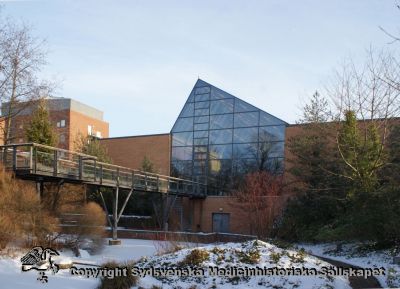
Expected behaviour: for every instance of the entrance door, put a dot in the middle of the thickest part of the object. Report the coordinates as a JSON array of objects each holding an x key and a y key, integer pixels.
[{"x": 221, "y": 222}]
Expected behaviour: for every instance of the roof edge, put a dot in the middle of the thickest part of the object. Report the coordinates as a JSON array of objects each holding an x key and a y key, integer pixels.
[{"x": 134, "y": 136}]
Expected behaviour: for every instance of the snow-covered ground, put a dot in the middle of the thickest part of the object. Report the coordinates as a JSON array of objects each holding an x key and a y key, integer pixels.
[
  {"x": 248, "y": 254},
  {"x": 351, "y": 255},
  {"x": 11, "y": 275}
]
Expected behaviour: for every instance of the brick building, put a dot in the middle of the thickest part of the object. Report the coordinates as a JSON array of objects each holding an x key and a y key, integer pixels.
[
  {"x": 69, "y": 118},
  {"x": 216, "y": 139}
]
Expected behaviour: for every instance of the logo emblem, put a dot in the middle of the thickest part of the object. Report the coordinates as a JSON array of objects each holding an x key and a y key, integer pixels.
[{"x": 40, "y": 259}]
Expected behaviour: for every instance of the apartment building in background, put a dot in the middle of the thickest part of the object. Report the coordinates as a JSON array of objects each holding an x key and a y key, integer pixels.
[{"x": 70, "y": 118}]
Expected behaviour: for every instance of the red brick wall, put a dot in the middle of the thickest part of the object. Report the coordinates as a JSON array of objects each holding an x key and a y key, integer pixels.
[
  {"x": 130, "y": 151},
  {"x": 78, "y": 123},
  {"x": 74, "y": 123},
  {"x": 203, "y": 210}
]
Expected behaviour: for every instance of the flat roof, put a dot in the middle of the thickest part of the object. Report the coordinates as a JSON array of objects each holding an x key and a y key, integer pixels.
[{"x": 134, "y": 136}]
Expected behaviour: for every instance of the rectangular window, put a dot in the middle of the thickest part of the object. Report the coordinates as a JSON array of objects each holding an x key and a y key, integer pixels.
[
  {"x": 182, "y": 138},
  {"x": 202, "y": 104},
  {"x": 246, "y": 119},
  {"x": 202, "y": 97},
  {"x": 61, "y": 123},
  {"x": 201, "y": 111},
  {"x": 221, "y": 121},
  {"x": 222, "y": 136},
  {"x": 245, "y": 135},
  {"x": 201, "y": 141},
  {"x": 181, "y": 153},
  {"x": 201, "y": 126},
  {"x": 220, "y": 151},
  {"x": 272, "y": 133}
]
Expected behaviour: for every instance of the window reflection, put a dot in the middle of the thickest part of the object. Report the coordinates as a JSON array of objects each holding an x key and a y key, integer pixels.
[
  {"x": 182, "y": 153},
  {"x": 246, "y": 119},
  {"x": 182, "y": 138},
  {"x": 221, "y": 136},
  {"x": 245, "y": 135},
  {"x": 183, "y": 124},
  {"x": 272, "y": 133},
  {"x": 221, "y": 106},
  {"x": 218, "y": 139},
  {"x": 220, "y": 121},
  {"x": 221, "y": 151}
]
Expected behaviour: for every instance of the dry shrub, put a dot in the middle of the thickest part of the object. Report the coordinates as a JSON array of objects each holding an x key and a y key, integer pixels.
[
  {"x": 196, "y": 257},
  {"x": 21, "y": 214},
  {"x": 175, "y": 242},
  {"x": 118, "y": 282},
  {"x": 90, "y": 228},
  {"x": 65, "y": 198},
  {"x": 167, "y": 246}
]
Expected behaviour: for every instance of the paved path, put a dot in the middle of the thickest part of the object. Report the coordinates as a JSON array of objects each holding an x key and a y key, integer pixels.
[{"x": 355, "y": 282}]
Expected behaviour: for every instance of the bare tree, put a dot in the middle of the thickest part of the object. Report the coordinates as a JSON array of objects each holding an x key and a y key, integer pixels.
[
  {"x": 21, "y": 59},
  {"x": 370, "y": 92},
  {"x": 394, "y": 38},
  {"x": 259, "y": 196}
]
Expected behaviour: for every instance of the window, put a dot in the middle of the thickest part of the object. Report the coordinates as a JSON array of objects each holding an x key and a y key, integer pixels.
[
  {"x": 221, "y": 106},
  {"x": 221, "y": 151},
  {"x": 245, "y": 135},
  {"x": 221, "y": 136},
  {"x": 182, "y": 138},
  {"x": 61, "y": 123},
  {"x": 221, "y": 121},
  {"x": 183, "y": 124},
  {"x": 89, "y": 130},
  {"x": 272, "y": 133},
  {"x": 181, "y": 153},
  {"x": 62, "y": 138},
  {"x": 246, "y": 119},
  {"x": 218, "y": 138}
]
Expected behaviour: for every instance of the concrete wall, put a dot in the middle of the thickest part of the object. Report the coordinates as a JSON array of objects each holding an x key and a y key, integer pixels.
[{"x": 130, "y": 151}]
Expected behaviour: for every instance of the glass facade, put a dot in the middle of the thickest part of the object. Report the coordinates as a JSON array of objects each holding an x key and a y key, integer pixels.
[{"x": 218, "y": 138}]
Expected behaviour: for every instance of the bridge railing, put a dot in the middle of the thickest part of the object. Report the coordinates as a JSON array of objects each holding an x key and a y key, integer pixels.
[{"x": 49, "y": 161}]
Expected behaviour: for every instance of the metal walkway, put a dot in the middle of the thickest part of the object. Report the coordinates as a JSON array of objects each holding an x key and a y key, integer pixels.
[
  {"x": 42, "y": 164},
  {"x": 34, "y": 161}
]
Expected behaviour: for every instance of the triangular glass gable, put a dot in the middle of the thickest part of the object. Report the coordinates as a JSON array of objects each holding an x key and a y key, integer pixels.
[{"x": 216, "y": 131}]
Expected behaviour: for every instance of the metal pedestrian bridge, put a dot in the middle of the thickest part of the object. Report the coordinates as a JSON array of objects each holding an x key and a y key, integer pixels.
[
  {"x": 35, "y": 161},
  {"x": 44, "y": 164}
]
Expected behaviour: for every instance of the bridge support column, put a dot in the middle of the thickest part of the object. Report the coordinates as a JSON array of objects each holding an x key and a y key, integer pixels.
[
  {"x": 115, "y": 240},
  {"x": 40, "y": 189},
  {"x": 168, "y": 204},
  {"x": 117, "y": 215}
]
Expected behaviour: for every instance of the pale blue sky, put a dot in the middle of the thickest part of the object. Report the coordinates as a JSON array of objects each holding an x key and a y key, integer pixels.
[{"x": 138, "y": 60}]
